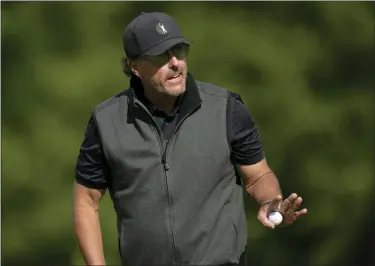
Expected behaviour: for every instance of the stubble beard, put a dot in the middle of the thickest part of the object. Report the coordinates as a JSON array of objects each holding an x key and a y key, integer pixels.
[{"x": 177, "y": 89}]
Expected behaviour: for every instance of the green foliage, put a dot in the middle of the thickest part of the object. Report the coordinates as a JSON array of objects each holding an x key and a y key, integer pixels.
[{"x": 303, "y": 70}]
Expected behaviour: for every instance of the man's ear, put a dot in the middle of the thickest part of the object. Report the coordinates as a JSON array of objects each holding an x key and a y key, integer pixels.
[
  {"x": 126, "y": 67},
  {"x": 133, "y": 65}
]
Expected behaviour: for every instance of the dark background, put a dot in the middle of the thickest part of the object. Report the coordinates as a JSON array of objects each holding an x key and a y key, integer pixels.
[{"x": 303, "y": 70}]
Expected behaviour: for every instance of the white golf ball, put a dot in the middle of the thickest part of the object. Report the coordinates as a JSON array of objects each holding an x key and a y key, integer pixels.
[{"x": 275, "y": 217}]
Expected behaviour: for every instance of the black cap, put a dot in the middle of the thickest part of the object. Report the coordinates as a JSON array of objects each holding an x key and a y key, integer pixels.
[{"x": 151, "y": 34}]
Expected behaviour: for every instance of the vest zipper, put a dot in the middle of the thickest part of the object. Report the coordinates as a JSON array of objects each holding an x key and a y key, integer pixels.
[
  {"x": 163, "y": 147},
  {"x": 169, "y": 195},
  {"x": 166, "y": 168}
]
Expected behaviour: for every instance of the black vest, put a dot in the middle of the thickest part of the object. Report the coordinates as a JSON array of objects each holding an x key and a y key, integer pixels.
[{"x": 177, "y": 203}]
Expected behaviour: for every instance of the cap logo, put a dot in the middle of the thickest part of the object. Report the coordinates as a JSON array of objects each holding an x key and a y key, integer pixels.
[{"x": 161, "y": 29}]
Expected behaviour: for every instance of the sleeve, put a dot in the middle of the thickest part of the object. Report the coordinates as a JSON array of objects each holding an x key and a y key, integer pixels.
[
  {"x": 244, "y": 139},
  {"x": 92, "y": 170}
]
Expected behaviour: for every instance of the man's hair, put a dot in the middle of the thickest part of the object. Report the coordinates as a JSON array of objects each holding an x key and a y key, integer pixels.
[{"x": 126, "y": 67}]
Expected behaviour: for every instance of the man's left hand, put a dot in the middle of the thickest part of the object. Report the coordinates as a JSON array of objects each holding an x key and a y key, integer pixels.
[{"x": 288, "y": 209}]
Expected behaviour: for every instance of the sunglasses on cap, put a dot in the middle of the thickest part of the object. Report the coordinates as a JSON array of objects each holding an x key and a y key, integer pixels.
[{"x": 180, "y": 51}]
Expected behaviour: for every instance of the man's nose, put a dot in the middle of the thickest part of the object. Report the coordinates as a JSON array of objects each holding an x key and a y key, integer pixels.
[{"x": 173, "y": 61}]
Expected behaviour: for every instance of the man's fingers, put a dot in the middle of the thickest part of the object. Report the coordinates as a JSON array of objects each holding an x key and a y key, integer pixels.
[
  {"x": 275, "y": 204},
  {"x": 301, "y": 212},
  {"x": 289, "y": 202},
  {"x": 297, "y": 203},
  {"x": 262, "y": 217}
]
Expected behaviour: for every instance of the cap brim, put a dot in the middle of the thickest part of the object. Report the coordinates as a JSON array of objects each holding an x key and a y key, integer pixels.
[{"x": 164, "y": 46}]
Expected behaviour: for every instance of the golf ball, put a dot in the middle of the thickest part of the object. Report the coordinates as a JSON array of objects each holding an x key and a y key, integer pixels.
[{"x": 275, "y": 217}]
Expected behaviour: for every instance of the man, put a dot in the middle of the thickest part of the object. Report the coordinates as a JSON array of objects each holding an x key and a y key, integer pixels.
[{"x": 169, "y": 149}]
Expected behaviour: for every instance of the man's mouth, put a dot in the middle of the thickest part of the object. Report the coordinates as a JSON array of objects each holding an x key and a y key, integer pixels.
[{"x": 175, "y": 76}]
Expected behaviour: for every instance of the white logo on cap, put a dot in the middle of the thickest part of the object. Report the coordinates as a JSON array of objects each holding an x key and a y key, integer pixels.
[{"x": 161, "y": 29}]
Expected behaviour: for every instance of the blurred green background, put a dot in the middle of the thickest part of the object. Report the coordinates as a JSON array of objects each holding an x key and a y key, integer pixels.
[{"x": 303, "y": 69}]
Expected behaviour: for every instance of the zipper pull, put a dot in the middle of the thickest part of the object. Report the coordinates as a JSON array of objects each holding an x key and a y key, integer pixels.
[
  {"x": 166, "y": 166},
  {"x": 164, "y": 160}
]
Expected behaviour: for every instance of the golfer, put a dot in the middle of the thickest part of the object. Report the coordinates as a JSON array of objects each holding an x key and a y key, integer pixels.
[{"x": 175, "y": 155}]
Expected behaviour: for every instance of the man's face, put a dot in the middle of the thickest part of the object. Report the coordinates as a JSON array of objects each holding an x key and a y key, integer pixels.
[{"x": 166, "y": 73}]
